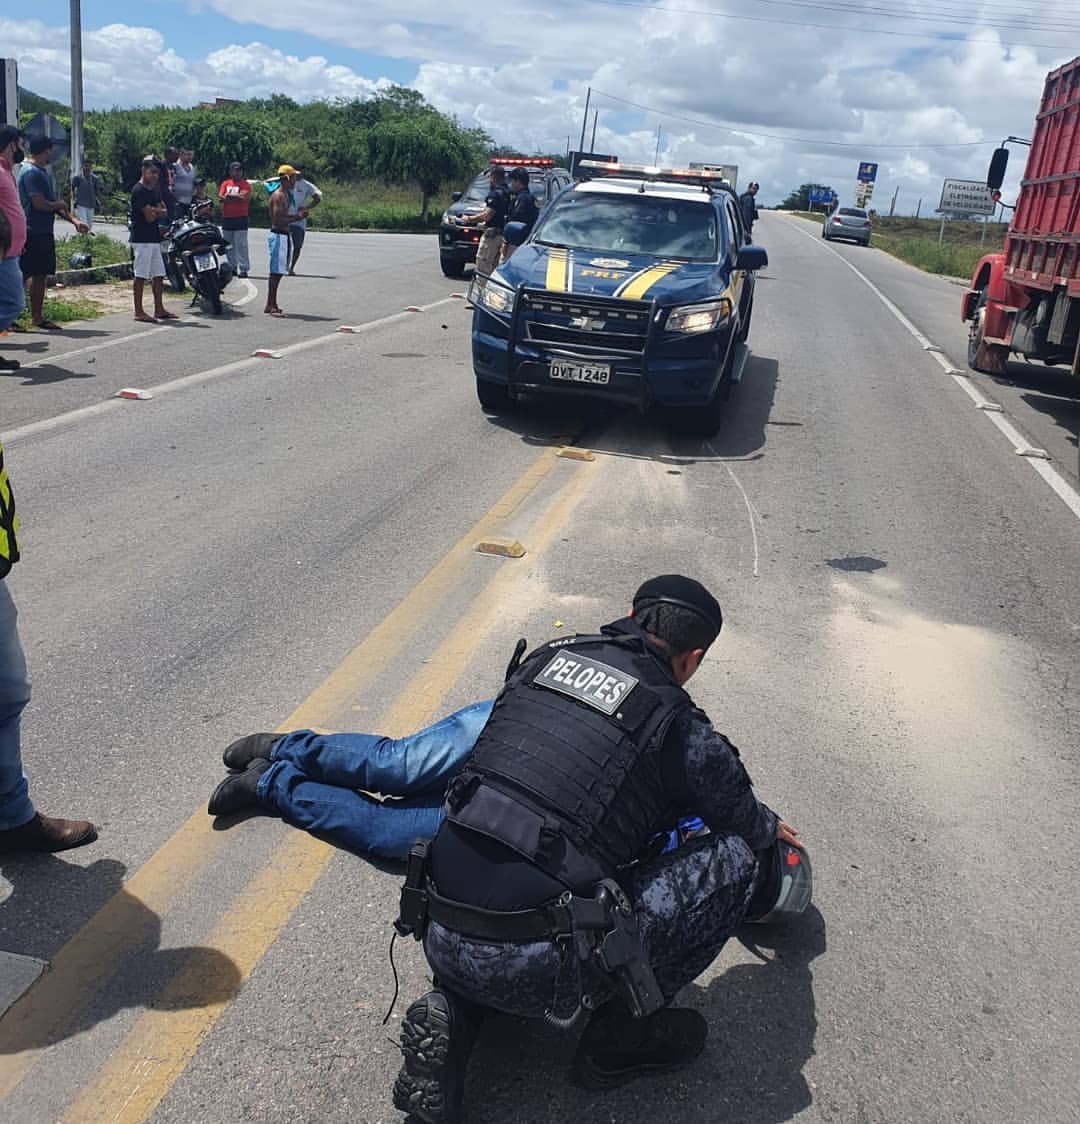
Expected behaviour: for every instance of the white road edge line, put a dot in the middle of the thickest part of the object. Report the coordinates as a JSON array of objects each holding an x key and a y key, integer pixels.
[
  {"x": 248, "y": 297},
  {"x": 1057, "y": 482},
  {"x": 48, "y": 424},
  {"x": 52, "y": 360}
]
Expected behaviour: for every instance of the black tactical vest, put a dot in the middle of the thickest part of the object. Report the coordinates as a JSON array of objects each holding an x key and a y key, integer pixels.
[{"x": 567, "y": 770}]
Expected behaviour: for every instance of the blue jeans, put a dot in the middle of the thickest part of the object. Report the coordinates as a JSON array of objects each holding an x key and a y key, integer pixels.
[
  {"x": 12, "y": 294},
  {"x": 315, "y": 782},
  {"x": 15, "y": 806}
]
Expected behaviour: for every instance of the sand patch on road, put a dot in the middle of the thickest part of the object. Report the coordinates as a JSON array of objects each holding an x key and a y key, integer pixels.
[{"x": 937, "y": 691}]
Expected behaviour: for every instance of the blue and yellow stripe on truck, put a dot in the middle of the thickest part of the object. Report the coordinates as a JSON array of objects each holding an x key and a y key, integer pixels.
[
  {"x": 559, "y": 274},
  {"x": 637, "y": 285}
]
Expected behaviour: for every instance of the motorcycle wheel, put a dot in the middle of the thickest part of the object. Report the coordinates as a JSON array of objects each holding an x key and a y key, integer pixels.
[{"x": 212, "y": 290}]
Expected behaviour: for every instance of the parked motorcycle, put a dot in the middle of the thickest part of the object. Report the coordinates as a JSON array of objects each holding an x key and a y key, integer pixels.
[{"x": 194, "y": 251}]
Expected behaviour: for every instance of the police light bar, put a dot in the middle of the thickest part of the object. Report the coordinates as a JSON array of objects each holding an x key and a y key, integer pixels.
[
  {"x": 530, "y": 161},
  {"x": 699, "y": 177}
]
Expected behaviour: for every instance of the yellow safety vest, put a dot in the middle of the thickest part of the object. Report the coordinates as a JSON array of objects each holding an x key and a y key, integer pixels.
[{"x": 9, "y": 522}]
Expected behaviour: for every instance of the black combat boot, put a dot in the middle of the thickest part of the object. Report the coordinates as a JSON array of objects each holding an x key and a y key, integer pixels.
[
  {"x": 616, "y": 1047},
  {"x": 239, "y": 754},
  {"x": 238, "y": 790},
  {"x": 437, "y": 1036}
]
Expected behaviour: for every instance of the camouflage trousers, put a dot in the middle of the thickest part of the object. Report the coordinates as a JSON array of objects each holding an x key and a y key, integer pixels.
[{"x": 688, "y": 902}]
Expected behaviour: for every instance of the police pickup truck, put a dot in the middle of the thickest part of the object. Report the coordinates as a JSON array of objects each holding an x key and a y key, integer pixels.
[
  {"x": 635, "y": 286},
  {"x": 457, "y": 243}
]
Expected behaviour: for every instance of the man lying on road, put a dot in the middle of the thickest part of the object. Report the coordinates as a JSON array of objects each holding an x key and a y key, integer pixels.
[{"x": 327, "y": 783}]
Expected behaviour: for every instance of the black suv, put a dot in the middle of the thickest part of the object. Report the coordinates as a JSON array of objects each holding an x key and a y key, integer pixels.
[{"x": 457, "y": 244}]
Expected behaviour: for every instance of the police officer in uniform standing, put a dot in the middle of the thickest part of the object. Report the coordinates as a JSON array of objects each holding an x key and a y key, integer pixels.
[
  {"x": 523, "y": 208},
  {"x": 545, "y": 892},
  {"x": 493, "y": 219}
]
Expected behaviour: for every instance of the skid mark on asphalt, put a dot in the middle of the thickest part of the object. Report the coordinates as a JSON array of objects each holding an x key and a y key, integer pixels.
[{"x": 1021, "y": 445}]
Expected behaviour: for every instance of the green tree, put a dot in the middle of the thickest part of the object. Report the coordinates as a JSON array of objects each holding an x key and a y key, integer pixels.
[
  {"x": 799, "y": 199},
  {"x": 218, "y": 136},
  {"x": 119, "y": 141},
  {"x": 427, "y": 149}
]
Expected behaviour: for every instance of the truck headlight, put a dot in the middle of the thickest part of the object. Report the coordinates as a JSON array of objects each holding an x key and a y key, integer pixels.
[
  {"x": 495, "y": 298},
  {"x": 705, "y": 317}
]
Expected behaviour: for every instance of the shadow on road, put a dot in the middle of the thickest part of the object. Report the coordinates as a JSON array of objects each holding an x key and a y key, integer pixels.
[
  {"x": 73, "y": 334},
  {"x": 762, "y": 1025},
  {"x": 47, "y": 374},
  {"x": 624, "y": 432},
  {"x": 117, "y": 962},
  {"x": 1064, "y": 412}
]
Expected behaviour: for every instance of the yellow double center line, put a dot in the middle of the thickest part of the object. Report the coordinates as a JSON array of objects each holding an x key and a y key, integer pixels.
[{"x": 162, "y": 1041}]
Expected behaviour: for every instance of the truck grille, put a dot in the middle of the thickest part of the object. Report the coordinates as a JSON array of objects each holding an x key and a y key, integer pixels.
[{"x": 585, "y": 325}]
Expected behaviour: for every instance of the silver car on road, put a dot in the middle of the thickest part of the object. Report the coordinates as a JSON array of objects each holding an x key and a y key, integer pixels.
[{"x": 847, "y": 222}]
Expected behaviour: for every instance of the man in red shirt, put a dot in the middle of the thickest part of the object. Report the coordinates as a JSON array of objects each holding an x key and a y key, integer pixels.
[
  {"x": 13, "y": 219},
  {"x": 235, "y": 196}
]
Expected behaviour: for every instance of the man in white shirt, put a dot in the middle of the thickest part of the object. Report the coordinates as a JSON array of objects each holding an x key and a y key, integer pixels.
[
  {"x": 183, "y": 176},
  {"x": 303, "y": 196}
]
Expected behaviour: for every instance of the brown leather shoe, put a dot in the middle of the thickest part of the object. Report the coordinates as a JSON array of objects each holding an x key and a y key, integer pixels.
[{"x": 43, "y": 833}]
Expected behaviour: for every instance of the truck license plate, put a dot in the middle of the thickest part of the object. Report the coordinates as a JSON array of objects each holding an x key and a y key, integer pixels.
[
  {"x": 580, "y": 372},
  {"x": 203, "y": 262}
]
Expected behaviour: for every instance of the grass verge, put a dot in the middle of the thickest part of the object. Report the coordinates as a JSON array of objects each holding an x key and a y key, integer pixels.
[
  {"x": 63, "y": 310},
  {"x": 916, "y": 242},
  {"x": 357, "y": 205},
  {"x": 102, "y": 249}
]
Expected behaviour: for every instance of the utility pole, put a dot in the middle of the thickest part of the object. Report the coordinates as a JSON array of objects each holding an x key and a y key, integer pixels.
[
  {"x": 592, "y": 143},
  {"x": 656, "y": 158},
  {"x": 918, "y": 209},
  {"x": 892, "y": 205},
  {"x": 585, "y": 117},
  {"x": 76, "y": 88}
]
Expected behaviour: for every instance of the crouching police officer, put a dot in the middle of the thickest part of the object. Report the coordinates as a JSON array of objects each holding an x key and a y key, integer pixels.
[{"x": 545, "y": 892}]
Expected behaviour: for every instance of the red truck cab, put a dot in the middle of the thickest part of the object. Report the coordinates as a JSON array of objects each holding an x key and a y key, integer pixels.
[{"x": 1026, "y": 299}]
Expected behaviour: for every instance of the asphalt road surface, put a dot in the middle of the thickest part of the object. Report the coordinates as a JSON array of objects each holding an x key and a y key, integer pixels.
[{"x": 282, "y": 542}]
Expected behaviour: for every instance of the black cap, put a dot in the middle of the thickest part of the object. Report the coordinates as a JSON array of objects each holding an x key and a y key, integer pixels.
[
  {"x": 40, "y": 144},
  {"x": 674, "y": 589}
]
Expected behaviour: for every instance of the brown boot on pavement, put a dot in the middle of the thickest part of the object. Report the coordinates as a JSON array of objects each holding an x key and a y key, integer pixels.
[{"x": 43, "y": 833}]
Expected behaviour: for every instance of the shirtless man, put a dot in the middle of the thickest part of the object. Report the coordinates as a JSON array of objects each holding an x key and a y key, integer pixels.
[{"x": 279, "y": 236}]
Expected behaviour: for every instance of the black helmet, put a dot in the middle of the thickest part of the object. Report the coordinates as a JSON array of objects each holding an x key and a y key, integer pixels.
[{"x": 785, "y": 883}]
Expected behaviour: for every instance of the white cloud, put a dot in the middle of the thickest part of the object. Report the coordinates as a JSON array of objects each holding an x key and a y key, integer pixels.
[
  {"x": 523, "y": 78},
  {"x": 125, "y": 66}
]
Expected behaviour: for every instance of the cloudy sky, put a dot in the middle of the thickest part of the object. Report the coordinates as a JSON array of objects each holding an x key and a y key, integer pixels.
[{"x": 792, "y": 91}]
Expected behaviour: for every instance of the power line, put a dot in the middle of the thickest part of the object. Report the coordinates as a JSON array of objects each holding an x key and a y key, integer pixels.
[
  {"x": 778, "y": 136},
  {"x": 943, "y": 14},
  {"x": 821, "y": 26}
]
